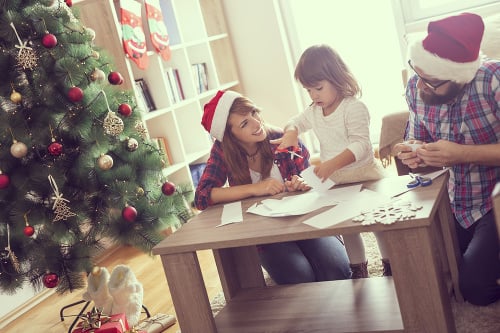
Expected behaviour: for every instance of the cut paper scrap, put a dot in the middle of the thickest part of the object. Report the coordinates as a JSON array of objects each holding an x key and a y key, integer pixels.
[
  {"x": 303, "y": 203},
  {"x": 231, "y": 213},
  {"x": 312, "y": 180},
  {"x": 363, "y": 201}
]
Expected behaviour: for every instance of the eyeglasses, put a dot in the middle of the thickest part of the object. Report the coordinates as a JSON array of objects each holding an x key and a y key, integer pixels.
[{"x": 433, "y": 86}]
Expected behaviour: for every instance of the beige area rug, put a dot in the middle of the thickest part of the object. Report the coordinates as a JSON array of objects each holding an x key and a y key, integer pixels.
[{"x": 468, "y": 318}]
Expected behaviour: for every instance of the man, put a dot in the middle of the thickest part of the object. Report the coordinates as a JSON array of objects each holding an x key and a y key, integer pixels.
[{"x": 454, "y": 102}]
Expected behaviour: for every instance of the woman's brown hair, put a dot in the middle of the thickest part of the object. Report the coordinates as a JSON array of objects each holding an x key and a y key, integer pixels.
[{"x": 234, "y": 153}]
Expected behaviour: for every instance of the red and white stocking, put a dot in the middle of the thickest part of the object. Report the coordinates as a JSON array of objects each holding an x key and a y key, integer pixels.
[
  {"x": 134, "y": 40},
  {"x": 157, "y": 29}
]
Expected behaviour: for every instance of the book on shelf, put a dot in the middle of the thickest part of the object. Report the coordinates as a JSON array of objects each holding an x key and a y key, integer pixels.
[
  {"x": 200, "y": 77},
  {"x": 145, "y": 100},
  {"x": 174, "y": 89},
  {"x": 162, "y": 144}
]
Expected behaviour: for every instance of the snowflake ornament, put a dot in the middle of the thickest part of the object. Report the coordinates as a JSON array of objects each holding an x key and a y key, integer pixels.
[{"x": 389, "y": 213}]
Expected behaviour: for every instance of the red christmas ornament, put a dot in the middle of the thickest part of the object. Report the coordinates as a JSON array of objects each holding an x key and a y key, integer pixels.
[
  {"x": 4, "y": 181},
  {"x": 129, "y": 214},
  {"x": 28, "y": 231},
  {"x": 168, "y": 188},
  {"x": 50, "y": 280},
  {"x": 125, "y": 110},
  {"x": 115, "y": 78},
  {"x": 69, "y": 3},
  {"x": 75, "y": 94},
  {"x": 49, "y": 40},
  {"x": 55, "y": 149}
]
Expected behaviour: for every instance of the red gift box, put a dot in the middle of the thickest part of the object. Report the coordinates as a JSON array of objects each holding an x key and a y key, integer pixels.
[{"x": 115, "y": 324}]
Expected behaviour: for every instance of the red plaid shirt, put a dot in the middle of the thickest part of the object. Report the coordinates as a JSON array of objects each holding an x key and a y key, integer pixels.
[{"x": 216, "y": 173}]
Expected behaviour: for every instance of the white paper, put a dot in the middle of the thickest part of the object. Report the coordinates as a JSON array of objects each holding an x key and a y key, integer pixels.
[
  {"x": 231, "y": 213},
  {"x": 303, "y": 203},
  {"x": 363, "y": 201},
  {"x": 314, "y": 181}
]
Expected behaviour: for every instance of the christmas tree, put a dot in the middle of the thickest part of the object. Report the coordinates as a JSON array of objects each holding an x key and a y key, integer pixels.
[{"x": 77, "y": 170}]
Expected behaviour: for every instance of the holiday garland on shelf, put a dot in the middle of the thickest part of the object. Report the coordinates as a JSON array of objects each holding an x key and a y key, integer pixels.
[{"x": 76, "y": 167}]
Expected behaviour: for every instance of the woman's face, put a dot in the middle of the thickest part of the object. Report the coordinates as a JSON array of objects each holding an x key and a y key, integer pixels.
[{"x": 248, "y": 127}]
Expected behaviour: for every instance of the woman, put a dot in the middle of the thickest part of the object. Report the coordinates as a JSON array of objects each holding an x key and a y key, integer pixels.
[{"x": 243, "y": 157}]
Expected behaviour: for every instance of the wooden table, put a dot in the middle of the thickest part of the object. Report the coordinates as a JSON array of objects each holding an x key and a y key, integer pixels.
[{"x": 423, "y": 255}]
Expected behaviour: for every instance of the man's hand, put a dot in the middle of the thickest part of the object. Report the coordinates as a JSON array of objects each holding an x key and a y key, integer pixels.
[
  {"x": 442, "y": 153},
  {"x": 409, "y": 155}
]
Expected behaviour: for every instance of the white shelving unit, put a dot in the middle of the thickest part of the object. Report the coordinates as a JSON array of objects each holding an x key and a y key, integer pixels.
[{"x": 198, "y": 34}]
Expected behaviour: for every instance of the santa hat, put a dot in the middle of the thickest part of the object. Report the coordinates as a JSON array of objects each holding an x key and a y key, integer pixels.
[
  {"x": 450, "y": 51},
  {"x": 216, "y": 111}
]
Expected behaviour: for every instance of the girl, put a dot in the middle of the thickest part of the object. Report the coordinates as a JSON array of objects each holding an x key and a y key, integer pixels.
[
  {"x": 243, "y": 156},
  {"x": 341, "y": 123}
]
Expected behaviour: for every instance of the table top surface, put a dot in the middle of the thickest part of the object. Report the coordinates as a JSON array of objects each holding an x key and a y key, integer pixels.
[{"x": 201, "y": 233}]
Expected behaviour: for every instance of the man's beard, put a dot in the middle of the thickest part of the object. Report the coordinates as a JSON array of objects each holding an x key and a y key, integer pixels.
[{"x": 433, "y": 99}]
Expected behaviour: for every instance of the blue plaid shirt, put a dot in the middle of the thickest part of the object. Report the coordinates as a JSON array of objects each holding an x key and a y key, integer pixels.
[
  {"x": 216, "y": 172},
  {"x": 472, "y": 118}
]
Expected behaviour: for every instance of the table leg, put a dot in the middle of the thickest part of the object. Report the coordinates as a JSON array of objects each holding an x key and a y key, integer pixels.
[
  {"x": 238, "y": 268},
  {"x": 420, "y": 287},
  {"x": 450, "y": 242},
  {"x": 189, "y": 295}
]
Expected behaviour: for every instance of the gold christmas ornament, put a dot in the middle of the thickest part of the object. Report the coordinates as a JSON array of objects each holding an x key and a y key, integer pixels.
[
  {"x": 95, "y": 54},
  {"x": 105, "y": 162},
  {"x": 139, "y": 127},
  {"x": 16, "y": 97},
  {"x": 140, "y": 191},
  {"x": 97, "y": 75},
  {"x": 18, "y": 149},
  {"x": 113, "y": 125}
]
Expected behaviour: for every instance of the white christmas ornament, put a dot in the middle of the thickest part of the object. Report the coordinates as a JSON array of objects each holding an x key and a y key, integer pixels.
[{"x": 127, "y": 293}]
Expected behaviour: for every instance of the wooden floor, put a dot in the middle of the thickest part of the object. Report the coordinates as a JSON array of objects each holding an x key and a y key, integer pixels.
[{"x": 149, "y": 271}]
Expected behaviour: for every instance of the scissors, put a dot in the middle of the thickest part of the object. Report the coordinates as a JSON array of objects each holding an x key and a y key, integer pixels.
[
  {"x": 293, "y": 151},
  {"x": 418, "y": 181}
]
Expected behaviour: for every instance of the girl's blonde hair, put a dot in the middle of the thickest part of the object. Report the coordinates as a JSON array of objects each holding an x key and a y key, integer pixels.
[
  {"x": 322, "y": 62},
  {"x": 234, "y": 153}
]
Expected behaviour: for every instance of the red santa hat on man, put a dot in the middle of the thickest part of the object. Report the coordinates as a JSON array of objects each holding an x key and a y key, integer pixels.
[
  {"x": 216, "y": 111},
  {"x": 451, "y": 49}
]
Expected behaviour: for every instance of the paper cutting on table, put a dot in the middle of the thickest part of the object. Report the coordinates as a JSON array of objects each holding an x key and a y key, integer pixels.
[{"x": 231, "y": 213}]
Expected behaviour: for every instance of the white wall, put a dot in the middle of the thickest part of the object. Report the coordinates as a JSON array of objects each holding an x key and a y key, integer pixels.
[{"x": 265, "y": 65}]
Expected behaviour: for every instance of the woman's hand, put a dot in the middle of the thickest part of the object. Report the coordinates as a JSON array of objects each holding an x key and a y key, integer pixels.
[
  {"x": 269, "y": 186},
  {"x": 296, "y": 184}
]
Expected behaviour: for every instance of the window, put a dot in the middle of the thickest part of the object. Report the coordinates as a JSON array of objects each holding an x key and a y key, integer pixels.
[
  {"x": 414, "y": 10},
  {"x": 364, "y": 34}
]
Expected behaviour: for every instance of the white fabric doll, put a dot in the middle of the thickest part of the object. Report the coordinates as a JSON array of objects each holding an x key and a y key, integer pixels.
[
  {"x": 97, "y": 290},
  {"x": 127, "y": 293}
]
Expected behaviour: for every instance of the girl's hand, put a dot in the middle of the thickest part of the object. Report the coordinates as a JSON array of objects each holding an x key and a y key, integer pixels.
[
  {"x": 289, "y": 139},
  {"x": 296, "y": 184},
  {"x": 324, "y": 170}
]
